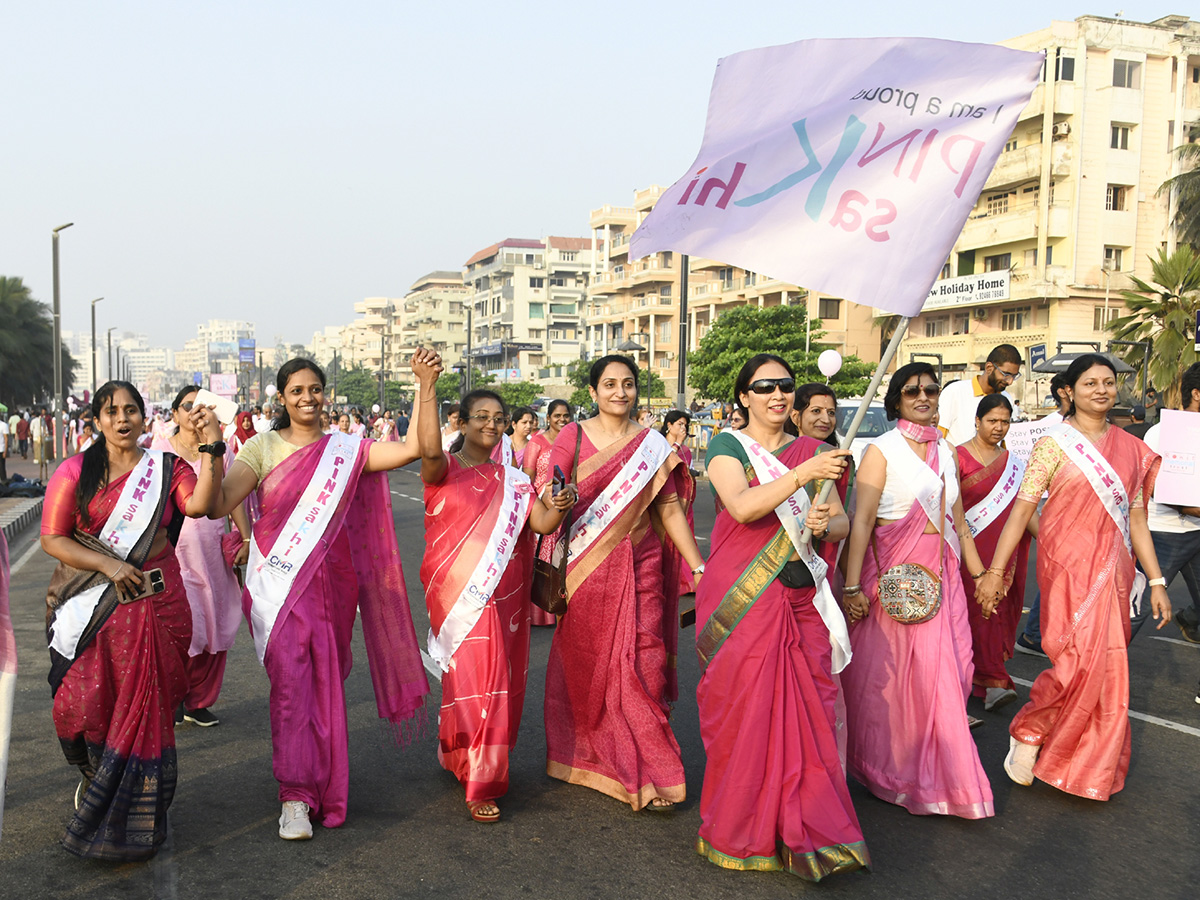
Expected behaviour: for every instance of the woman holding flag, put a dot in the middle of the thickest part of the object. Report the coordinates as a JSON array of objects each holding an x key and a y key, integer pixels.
[
  {"x": 324, "y": 545},
  {"x": 1074, "y": 733},
  {"x": 476, "y": 571},
  {"x": 774, "y": 795},
  {"x": 611, "y": 675},
  {"x": 908, "y": 740},
  {"x": 991, "y": 477},
  {"x": 118, "y": 622}
]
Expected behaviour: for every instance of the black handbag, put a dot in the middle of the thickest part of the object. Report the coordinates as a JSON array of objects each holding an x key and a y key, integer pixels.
[{"x": 549, "y": 590}]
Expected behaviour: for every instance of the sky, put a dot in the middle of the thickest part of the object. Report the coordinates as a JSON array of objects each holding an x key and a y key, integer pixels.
[{"x": 280, "y": 161}]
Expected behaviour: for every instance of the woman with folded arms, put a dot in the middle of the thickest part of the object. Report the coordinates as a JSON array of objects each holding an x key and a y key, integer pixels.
[
  {"x": 1074, "y": 733},
  {"x": 770, "y": 638},
  {"x": 119, "y": 625},
  {"x": 908, "y": 738}
]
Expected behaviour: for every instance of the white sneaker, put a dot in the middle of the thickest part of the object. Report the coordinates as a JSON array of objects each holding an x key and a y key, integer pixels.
[
  {"x": 293, "y": 822},
  {"x": 997, "y": 696},
  {"x": 1019, "y": 762}
]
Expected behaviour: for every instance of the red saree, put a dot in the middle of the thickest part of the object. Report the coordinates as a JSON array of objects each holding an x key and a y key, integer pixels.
[
  {"x": 774, "y": 794},
  {"x": 992, "y": 639},
  {"x": 610, "y": 677},
  {"x": 1078, "y": 710},
  {"x": 483, "y": 691},
  {"x": 537, "y": 454},
  {"x": 114, "y": 710}
]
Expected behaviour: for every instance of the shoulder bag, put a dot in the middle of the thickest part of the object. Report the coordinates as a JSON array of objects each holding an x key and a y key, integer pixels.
[{"x": 550, "y": 577}]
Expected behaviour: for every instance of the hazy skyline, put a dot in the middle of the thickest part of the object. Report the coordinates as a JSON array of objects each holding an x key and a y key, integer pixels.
[{"x": 278, "y": 162}]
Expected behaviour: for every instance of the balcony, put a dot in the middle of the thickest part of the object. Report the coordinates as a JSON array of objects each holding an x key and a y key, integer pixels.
[
  {"x": 612, "y": 215},
  {"x": 1018, "y": 223},
  {"x": 652, "y": 269},
  {"x": 645, "y": 199},
  {"x": 1025, "y": 164},
  {"x": 618, "y": 244}
]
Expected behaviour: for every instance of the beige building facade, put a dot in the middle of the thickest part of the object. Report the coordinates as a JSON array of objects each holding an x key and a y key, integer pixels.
[
  {"x": 1071, "y": 209},
  {"x": 435, "y": 316},
  {"x": 640, "y": 300}
]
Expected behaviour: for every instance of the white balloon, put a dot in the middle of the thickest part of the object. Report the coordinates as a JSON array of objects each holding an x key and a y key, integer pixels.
[
  {"x": 829, "y": 362},
  {"x": 270, "y": 390},
  {"x": 375, "y": 408}
]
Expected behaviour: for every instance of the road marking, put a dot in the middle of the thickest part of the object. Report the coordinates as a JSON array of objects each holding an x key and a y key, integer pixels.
[
  {"x": 1176, "y": 641},
  {"x": 1153, "y": 720},
  {"x": 430, "y": 666},
  {"x": 407, "y": 497},
  {"x": 25, "y": 557}
]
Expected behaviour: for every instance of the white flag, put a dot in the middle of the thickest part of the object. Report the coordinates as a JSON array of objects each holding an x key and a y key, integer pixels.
[{"x": 845, "y": 166}]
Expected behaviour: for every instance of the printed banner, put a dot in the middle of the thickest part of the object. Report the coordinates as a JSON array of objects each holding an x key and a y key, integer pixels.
[
  {"x": 1023, "y": 435},
  {"x": 1179, "y": 444},
  {"x": 846, "y": 166}
]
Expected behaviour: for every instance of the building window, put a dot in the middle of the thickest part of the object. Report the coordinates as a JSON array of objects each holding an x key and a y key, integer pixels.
[
  {"x": 1112, "y": 259},
  {"x": 1031, "y": 256},
  {"x": 751, "y": 277},
  {"x": 1120, "y": 137},
  {"x": 1101, "y": 317},
  {"x": 1001, "y": 262},
  {"x": 1064, "y": 66},
  {"x": 529, "y": 259},
  {"x": 667, "y": 259},
  {"x": 618, "y": 273},
  {"x": 1010, "y": 145},
  {"x": 665, "y": 292},
  {"x": 1015, "y": 318},
  {"x": 937, "y": 326},
  {"x": 537, "y": 310},
  {"x": 567, "y": 255},
  {"x": 664, "y": 332},
  {"x": 726, "y": 278},
  {"x": 558, "y": 281},
  {"x": 829, "y": 308},
  {"x": 537, "y": 282},
  {"x": 962, "y": 322},
  {"x": 1127, "y": 73},
  {"x": 997, "y": 204},
  {"x": 1116, "y": 197},
  {"x": 946, "y": 270}
]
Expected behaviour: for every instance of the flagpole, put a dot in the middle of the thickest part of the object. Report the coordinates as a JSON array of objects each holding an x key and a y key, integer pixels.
[{"x": 852, "y": 431}]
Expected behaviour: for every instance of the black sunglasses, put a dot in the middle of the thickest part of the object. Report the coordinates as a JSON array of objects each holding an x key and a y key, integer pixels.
[
  {"x": 768, "y": 385},
  {"x": 911, "y": 390}
]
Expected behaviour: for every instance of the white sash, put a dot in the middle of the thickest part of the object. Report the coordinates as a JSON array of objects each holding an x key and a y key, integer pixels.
[
  {"x": 503, "y": 453},
  {"x": 516, "y": 501},
  {"x": 1110, "y": 491},
  {"x": 269, "y": 576},
  {"x": 926, "y": 486},
  {"x": 633, "y": 478},
  {"x": 989, "y": 509},
  {"x": 126, "y": 524},
  {"x": 791, "y": 514}
]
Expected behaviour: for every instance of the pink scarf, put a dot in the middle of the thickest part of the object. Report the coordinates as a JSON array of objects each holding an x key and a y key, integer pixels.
[{"x": 922, "y": 434}]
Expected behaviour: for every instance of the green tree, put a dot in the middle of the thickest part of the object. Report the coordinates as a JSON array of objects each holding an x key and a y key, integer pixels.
[
  {"x": 449, "y": 385},
  {"x": 518, "y": 393},
  {"x": 577, "y": 377},
  {"x": 1164, "y": 313},
  {"x": 1186, "y": 188},
  {"x": 26, "y": 346},
  {"x": 744, "y": 331}
]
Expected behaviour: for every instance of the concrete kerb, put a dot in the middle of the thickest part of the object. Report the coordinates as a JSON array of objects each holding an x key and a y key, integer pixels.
[{"x": 17, "y": 514}]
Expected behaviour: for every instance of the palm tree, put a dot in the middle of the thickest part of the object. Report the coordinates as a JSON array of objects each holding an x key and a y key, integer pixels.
[
  {"x": 1186, "y": 187},
  {"x": 26, "y": 342},
  {"x": 1165, "y": 313}
]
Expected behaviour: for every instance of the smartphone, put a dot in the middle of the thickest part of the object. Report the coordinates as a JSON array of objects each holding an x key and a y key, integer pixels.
[
  {"x": 560, "y": 481},
  {"x": 225, "y": 408}
]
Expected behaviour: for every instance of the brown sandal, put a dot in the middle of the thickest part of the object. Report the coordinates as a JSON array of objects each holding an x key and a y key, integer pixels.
[{"x": 476, "y": 809}]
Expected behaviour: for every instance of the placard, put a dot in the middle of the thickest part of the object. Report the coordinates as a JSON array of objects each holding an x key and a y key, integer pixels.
[
  {"x": 1023, "y": 435},
  {"x": 1179, "y": 445}
]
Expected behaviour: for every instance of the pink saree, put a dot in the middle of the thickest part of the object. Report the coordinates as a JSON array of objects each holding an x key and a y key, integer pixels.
[
  {"x": 774, "y": 794},
  {"x": 611, "y": 673},
  {"x": 992, "y": 639},
  {"x": 537, "y": 454},
  {"x": 1078, "y": 710},
  {"x": 483, "y": 693},
  {"x": 906, "y": 689},
  {"x": 355, "y": 564}
]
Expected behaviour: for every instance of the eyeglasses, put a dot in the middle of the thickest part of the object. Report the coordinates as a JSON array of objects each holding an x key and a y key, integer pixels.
[
  {"x": 186, "y": 405},
  {"x": 768, "y": 385},
  {"x": 1007, "y": 377},
  {"x": 911, "y": 390},
  {"x": 483, "y": 418}
]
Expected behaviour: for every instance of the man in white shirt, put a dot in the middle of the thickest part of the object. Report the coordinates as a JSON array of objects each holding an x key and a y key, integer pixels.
[
  {"x": 960, "y": 400},
  {"x": 1176, "y": 531},
  {"x": 3, "y": 450}
]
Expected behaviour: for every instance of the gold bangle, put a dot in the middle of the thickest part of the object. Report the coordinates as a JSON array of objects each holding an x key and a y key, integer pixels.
[{"x": 796, "y": 479}]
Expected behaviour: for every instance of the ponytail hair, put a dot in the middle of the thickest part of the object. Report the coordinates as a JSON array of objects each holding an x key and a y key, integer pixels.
[{"x": 93, "y": 473}]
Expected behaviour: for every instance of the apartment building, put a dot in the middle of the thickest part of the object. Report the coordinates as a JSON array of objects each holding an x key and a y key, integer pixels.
[
  {"x": 1071, "y": 209},
  {"x": 435, "y": 316},
  {"x": 373, "y": 338},
  {"x": 640, "y": 300},
  {"x": 526, "y": 299}
]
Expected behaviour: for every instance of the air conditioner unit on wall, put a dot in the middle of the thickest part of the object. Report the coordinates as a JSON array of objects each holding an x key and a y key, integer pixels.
[
  {"x": 981, "y": 314},
  {"x": 1062, "y": 129}
]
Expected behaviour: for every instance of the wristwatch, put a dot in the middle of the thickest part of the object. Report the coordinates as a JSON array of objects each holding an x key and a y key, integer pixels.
[
  {"x": 1157, "y": 581},
  {"x": 699, "y": 570},
  {"x": 216, "y": 449}
]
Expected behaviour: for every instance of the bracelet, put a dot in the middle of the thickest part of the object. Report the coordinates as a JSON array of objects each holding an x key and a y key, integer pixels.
[
  {"x": 1155, "y": 582},
  {"x": 995, "y": 571},
  {"x": 851, "y": 589},
  {"x": 796, "y": 479},
  {"x": 980, "y": 575},
  {"x": 246, "y": 540},
  {"x": 113, "y": 576}
]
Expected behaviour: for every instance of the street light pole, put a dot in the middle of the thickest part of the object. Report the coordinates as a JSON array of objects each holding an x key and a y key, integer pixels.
[
  {"x": 260, "y": 377},
  {"x": 58, "y": 374},
  {"x": 109, "y": 370},
  {"x": 94, "y": 302},
  {"x": 684, "y": 336}
]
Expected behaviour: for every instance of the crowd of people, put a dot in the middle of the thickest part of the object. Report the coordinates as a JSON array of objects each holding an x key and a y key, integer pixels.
[{"x": 839, "y": 637}]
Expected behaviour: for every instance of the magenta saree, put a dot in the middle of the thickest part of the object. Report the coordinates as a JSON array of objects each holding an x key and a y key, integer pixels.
[
  {"x": 356, "y": 563},
  {"x": 537, "y": 457},
  {"x": 611, "y": 673},
  {"x": 908, "y": 741},
  {"x": 774, "y": 795},
  {"x": 1078, "y": 710},
  {"x": 483, "y": 688}
]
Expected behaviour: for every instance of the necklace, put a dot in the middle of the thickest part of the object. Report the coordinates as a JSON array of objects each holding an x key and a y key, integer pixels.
[
  {"x": 1090, "y": 435},
  {"x": 466, "y": 462},
  {"x": 979, "y": 453},
  {"x": 191, "y": 454}
]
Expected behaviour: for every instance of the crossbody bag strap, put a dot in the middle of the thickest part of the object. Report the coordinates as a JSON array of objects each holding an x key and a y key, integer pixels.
[{"x": 562, "y": 564}]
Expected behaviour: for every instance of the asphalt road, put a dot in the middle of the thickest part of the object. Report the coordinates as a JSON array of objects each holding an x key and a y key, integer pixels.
[{"x": 408, "y": 833}]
